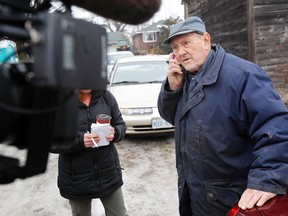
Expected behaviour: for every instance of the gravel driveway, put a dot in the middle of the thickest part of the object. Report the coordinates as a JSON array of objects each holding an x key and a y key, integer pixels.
[{"x": 150, "y": 183}]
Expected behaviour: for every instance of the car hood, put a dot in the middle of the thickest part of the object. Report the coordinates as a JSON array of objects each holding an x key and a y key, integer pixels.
[{"x": 140, "y": 95}]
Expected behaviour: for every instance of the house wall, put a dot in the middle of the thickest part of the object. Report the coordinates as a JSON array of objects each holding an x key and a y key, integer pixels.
[
  {"x": 141, "y": 48},
  {"x": 225, "y": 21},
  {"x": 270, "y": 39},
  {"x": 138, "y": 45},
  {"x": 256, "y": 30}
]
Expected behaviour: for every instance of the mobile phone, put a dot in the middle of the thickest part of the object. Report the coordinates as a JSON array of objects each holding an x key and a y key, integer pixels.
[{"x": 174, "y": 57}]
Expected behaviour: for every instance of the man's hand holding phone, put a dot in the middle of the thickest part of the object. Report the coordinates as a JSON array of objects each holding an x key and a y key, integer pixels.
[{"x": 175, "y": 73}]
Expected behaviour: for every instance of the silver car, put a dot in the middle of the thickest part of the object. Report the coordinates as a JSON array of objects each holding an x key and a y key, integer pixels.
[
  {"x": 135, "y": 82},
  {"x": 114, "y": 56}
]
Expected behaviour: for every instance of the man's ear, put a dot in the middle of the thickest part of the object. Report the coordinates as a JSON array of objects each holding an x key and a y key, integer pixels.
[{"x": 207, "y": 40}]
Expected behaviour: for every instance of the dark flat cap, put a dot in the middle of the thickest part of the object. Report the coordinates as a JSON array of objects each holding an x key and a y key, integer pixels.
[{"x": 191, "y": 24}]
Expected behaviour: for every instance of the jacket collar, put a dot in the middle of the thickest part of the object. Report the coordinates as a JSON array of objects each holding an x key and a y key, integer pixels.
[
  {"x": 212, "y": 73},
  {"x": 96, "y": 94},
  {"x": 209, "y": 77}
]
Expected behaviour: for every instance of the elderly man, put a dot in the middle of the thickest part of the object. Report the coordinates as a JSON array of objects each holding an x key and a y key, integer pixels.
[{"x": 231, "y": 126}]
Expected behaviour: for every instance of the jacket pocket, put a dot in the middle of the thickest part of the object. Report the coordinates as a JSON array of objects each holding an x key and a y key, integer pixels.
[
  {"x": 194, "y": 140},
  {"x": 223, "y": 194},
  {"x": 109, "y": 177}
]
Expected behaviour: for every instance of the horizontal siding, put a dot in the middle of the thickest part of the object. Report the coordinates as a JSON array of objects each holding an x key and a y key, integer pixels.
[
  {"x": 280, "y": 80},
  {"x": 271, "y": 38},
  {"x": 270, "y": 9},
  {"x": 269, "y": 2},
  {"x": 226, "y": 23}
]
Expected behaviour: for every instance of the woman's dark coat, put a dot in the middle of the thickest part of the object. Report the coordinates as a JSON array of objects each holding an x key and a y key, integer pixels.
[{"x": 92, "y": 172}]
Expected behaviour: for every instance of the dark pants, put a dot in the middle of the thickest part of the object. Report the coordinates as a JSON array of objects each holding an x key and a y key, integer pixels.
[{"x": 185, "y": 203}]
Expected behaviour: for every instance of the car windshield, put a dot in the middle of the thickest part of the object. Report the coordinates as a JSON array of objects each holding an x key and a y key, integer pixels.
[
  {"x": 140, "y": 72},
  {"x": 113, "y": 58}
]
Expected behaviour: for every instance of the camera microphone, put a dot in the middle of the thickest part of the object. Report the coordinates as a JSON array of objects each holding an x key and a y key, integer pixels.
[{"x": 127, "y": 11}]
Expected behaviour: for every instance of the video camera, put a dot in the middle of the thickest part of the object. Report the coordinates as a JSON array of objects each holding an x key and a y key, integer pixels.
[{"x": 38, "y": 100}]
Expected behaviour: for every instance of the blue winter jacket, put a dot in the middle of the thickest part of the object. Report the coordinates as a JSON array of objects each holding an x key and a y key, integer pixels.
[{"x": 232, "y": 133}]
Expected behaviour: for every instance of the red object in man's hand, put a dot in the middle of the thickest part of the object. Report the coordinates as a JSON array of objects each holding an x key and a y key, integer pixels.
[{"x": 277, "y": 206}]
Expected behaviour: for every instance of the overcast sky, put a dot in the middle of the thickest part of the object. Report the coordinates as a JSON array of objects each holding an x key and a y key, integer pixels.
[{"x": 169, "y": 8}]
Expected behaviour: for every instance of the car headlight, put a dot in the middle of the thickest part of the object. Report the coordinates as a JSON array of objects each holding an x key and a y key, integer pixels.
[{"x": 137, "y": 111}]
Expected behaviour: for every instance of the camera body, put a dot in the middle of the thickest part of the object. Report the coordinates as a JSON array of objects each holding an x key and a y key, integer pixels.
[
  {"x": 38, "y": 101},
  {"x": 72, "y": 53}
]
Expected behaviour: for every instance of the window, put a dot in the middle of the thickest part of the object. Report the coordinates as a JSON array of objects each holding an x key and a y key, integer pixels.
[{"x": 149, "y": 37}]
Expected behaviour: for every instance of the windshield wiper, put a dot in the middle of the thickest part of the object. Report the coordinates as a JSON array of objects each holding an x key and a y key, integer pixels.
[
  {"x": 125, "y": 82},
  {"x": 154, "y": 81}
]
